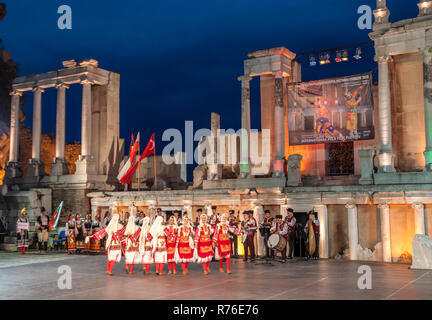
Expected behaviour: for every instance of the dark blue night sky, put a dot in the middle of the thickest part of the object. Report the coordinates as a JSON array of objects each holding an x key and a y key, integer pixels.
[{"x": 179, "y": 60}]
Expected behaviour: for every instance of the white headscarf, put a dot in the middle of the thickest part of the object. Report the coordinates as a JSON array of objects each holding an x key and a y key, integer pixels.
[
  {"x": 201, "y": 216},
  {"x": 111, "y": 228},
  {"x": 131, "y": 227},
  {"x": 156, "y": 227},
  {"x": 143, "y": 235}
]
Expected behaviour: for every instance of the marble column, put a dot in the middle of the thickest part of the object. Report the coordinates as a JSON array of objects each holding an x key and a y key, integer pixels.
[
  {"x": 385, "y": 231},
  {"x": 37, "y": 123},
  {"x": 14, "y": 126},
  {"x": 419, "y": 218},
  {"x": 386, "y": 156},
  {"x": 427, "y": 85},
  {"x": 352, "y": 230},
  {"x": 246, "y": 126},
  {"x": 321, "y": 210},
  {"x": 279, "y": 160},
  {"x": 59, "y": 165},
  {"x": 86, "y": 119}
]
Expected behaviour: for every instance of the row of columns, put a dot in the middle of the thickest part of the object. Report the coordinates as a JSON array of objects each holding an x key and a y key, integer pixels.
[
  {"x": 279, "y": 126},
  {"x": 59, "y": 166},
  {"x": 386, "y": 156}
]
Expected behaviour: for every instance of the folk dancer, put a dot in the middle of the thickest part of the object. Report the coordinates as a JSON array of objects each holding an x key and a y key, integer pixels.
[
  {"x": 281, "y": 228},
  {"x": 312, "y": 230},
  {"x": 171, "y": 232},
  {"x": 71, "y": 233},
  {"x": 185, "y": 244},
  {"x": 114, "y": 232},
  {"x": 95, "y": 245},
  {"x": 79, "y": 225},
  {"x": 265, "y": 227},
  {"x": 23, "y": 228},
  {"x": 157, "y": 231},
  {"x": 105, "y": 222},
  {"x": 131, "y": 244},
  {"x": 146, "y": 246},
  {"x": 42, "y": 228},
  {"x": 233, "y": 223},
  {"x": 249, "y": 227},
  {"x": 290, "y": 220},
  {"x": 203, "y": 244},
  {"x": 222, "y": 243},
  {"x": 87, "y": 230}
]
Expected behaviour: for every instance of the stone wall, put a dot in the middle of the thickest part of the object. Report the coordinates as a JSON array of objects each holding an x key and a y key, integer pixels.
[
  {"x": 368, "y": 226},
  {"x": 75, "y": 201},
  {"x": 338, "y": 229},
  {"x": 401, "y": 229}
]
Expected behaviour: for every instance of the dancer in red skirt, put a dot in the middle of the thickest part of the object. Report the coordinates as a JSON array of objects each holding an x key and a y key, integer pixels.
[
  {"x": 171, "y": 232},
  {"x": 222, "y": 243},
  {"x": 203, "y": 244},
  {"x": 185, "y": 244}
]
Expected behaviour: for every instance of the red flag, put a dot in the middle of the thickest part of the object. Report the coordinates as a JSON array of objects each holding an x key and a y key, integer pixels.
[
  {"x": 149, "y": 150},
  {"x": 131, "y": 146},
  {"x": 135, "y": 149}
]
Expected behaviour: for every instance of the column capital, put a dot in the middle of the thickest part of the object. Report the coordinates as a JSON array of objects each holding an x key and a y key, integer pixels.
[
  {"x": 383, "y": 205},
  {"x": 278, "y": 74},
  {"x": 61, "y": 85},
  {"x": 245, "y": 78},
  {"x": 417, "y": 205},
  {"x": 350, "y": 205},
  {"x": 16, "y": 93},
  {"x": 85, "y": 80},
  {"x": 38, "y": 89},
  {"x": 383, "y": 59}
]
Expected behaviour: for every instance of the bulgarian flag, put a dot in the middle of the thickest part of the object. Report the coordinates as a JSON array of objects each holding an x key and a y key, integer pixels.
[
  {"x": 133, "y": 149},
  {"x": 54, "y": 221}
]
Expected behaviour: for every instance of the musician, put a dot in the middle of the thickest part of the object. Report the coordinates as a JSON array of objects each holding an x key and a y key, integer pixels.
[
  {"x": 233, "y": 223},
  {"x": 80, "y": 232},
  {"x": 290, "y": 220},
  {"x": 312, "y": 225},
  {"x": 249, "y": 227},
  {"x": 177, "y": 215},
  {"x": 42, "y": 228},
  {"x": 87, "y": 230},
  {"x": 95, "y": 245},
  {"x": 214, "y": 218},
  {"x": 265, "y": 230},
  {"x": 71, "y": 233},
  {"x": 281, "y": 228},
  {"x": 159, "y": 213},
  {"x": 23, "y": 228},
  {"x": 106, "y": 219},
  {"x": 139, "y": 218}
]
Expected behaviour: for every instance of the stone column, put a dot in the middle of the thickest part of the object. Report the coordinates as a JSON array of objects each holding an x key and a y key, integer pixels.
[
  {"x": 279, "y": 160},
  {"x": 246, "y": 126},
  {"x": 386, "y": 156},
  {"x": 37, "y": 123},
  {"x": 86, "y": 123},
  {"x": 14, "y": 126},
  {"x": 259, "y": 240},
  {"x": 419, "y": 218},
  {"x": 59, "y": 165},
  {"x": 352, "y": 230},
  {"x": 324, "y": 236},
  {"x": 385, "y": 231},
  {"x": 425, "y": 8},
  {"x": 427, "y": 85}
]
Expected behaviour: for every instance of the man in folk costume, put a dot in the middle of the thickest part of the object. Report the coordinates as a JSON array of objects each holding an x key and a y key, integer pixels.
[
  {"x": 79, "y": 225},
  {"x": 131, "y": 244},
  {"x": 171, "y": 231},
  {"x": 265, "y": 230},
  {"x": 233, "y": 223},
  {"x": 214, "y": 218},
  {"x": 95, "y": 245},
  {"x": 312, "y": 230},
  {"x": 23, "y": 228},
  {"x": 146, "y": 245},
  {"x": 281, "y": 228},
  {"x": 87, "y": 230},
  {"x": 290, "y": 220},
  {"x": 249, "y": 227},
  {"x": 71, "y": 233},
  {"x": 42, "y": 227},
  {"x": 114, "y": 232},
  {"x": 203, "y": 244},
  {"x": 222, "y": 243},
  {"x": 185, "y": 244},
  {"x": 106, "y": 219},
  {"x": 157, "y": 231}
]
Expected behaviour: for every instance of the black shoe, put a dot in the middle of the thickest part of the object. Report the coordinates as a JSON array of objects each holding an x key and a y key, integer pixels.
[{"x": 290, "y": 258}]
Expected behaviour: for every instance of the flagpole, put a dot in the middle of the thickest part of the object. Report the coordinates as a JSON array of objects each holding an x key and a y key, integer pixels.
[
  {"x": 139, "y": 168},
  {"x": 154, "y": 159}
]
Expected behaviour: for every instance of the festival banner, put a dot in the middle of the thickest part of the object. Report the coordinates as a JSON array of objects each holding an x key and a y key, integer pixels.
[{"x": 331, "y": 110}]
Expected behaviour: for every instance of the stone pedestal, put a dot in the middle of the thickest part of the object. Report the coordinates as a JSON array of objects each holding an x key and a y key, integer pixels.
[
  {"x": 35, "y": 168},
  {"x": 367, "y": 168},
  {"x": 85, "y": 165},
  {"x": 294, "y": 173},
  {"x": 12, "y": 170},
  {"x": 422, "y": 252},
  {"x": 59, "y": 167}
]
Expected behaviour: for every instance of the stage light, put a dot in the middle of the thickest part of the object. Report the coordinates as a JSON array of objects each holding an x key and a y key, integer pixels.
[
  {"x": 345, "y": 55},
  {"x": 324, "y": 58},
  {"x": 312, "y": 61},
  {"x": 358, "y": 54},
  {"x": 338, "y": 56}
]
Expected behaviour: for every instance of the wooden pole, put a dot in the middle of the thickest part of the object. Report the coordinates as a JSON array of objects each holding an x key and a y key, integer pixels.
[
  {"x": 139, "y": 183},
  {"x": 154, "y": 165}
]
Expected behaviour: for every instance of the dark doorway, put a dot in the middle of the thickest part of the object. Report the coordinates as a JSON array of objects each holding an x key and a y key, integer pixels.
[
  {"x": 340, "y": 160},
  {"x": 299, "y": 234}
]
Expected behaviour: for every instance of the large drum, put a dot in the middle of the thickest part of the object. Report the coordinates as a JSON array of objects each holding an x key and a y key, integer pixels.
[{"x": 277, "y": 242}]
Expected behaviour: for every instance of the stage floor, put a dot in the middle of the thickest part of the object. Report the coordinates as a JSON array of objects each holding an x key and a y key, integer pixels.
[{"x": 35, "y": 276}]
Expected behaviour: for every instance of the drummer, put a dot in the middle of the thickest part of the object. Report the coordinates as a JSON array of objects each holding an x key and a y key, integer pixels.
[{"x": 281, "y": 228}]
